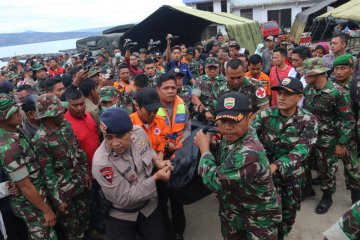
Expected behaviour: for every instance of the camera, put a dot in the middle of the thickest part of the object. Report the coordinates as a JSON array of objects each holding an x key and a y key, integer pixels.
[
  {"x": 129, "y": 43},
  {"x": 174, "y": 38}
]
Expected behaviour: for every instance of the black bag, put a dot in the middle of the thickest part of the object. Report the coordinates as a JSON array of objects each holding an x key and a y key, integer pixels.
[{"x": 185, "y": 182}]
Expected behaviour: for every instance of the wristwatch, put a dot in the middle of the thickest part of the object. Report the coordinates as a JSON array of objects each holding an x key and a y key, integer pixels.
[{"x": 206, "y": 110}]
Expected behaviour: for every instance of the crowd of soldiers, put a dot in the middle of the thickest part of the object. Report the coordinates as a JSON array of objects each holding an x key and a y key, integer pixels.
[{"x": 87, "y": 143}]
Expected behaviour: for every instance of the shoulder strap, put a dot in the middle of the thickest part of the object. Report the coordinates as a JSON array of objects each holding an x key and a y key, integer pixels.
[{"x": 277, "y": 74}]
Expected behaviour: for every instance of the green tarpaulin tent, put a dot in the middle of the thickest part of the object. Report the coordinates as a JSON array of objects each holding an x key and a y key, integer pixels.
[
  {"x": 190, "y": 24},
  {"x": 348, "y": 11}
]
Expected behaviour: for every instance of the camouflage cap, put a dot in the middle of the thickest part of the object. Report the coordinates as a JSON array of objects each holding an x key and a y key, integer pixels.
[
  {"x": 212, "y": 61},
  {"x": 107, "y": 93},
  {"x": 94, "y": 70},
  {"x": 8, "y": 106},
  {"x": 37, "y": 67},
  {"x": 313, "y": 66},
  {"x": 12, "y": 75},
  {"x": 48, "y": 105}
]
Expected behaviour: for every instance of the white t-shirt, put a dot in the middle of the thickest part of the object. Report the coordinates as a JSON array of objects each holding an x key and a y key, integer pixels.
[{"x": 292, "y": 73}]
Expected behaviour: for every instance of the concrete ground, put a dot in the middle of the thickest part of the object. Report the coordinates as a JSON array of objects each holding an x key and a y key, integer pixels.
[{"x": 203, "y": 222}]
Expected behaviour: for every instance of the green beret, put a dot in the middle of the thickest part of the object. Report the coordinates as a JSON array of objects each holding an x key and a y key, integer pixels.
[{"x": 346, "y": 59}]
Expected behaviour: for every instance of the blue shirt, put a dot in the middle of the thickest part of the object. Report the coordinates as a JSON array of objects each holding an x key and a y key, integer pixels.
[{"x": 184, "y": 68}]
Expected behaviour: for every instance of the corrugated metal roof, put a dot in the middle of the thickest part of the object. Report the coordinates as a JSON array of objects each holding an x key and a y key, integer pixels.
[{"x": 242, "y": 3}]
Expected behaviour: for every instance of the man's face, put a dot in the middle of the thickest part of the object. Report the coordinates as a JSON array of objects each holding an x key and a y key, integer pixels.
[
  {"x": 216, "y": 48},
  {"x": 176, "y": 55},
  {"x": 58, "y": 120},
  {"x": 337, "y": 46},
  {"x": 59, "y": 89},
  {"x": 77, "y": 107},
  {"x": 278, "y": 59},
  {"x": 255, "y": 70},
  {"x": 41, "y": 74},
  {"x": 133, "y": 61},
  {"x": 318, "y": 53},
  {"x": 269, "y": 43},
  {"x": 124, "y": 74},
  {"x": 233, "y": 52},
  {"x": 15, "y": 120},
  {"x": 107, "y": 104},
  {"x": 22, "y": 94},
  {"x": 287, "y": 100},
  {"x": 167, "y": 91},
  {"x": 311, "y": 79},
  {"x": 232, "y": 130},
  {"x": 150, "y": 69},
  {"x": 343, "y": 72},
  {"x": 100, "y": 59},
  {"x": 53, "y": 64},
  {"x": 119, "y": 143},
  {"x": 197, "y": 54},
  {"x": 183, "y": 49},
  {"x": 212, "y": 71},
  {"x": 145, "y": 115},
  {"x": 74, "y": 61},
  {"x": 296, "y": 60},
  {"x": 220, "y": 39},
  {"x": 235, "y": 77},
  {"x": 179, "y": 80}
]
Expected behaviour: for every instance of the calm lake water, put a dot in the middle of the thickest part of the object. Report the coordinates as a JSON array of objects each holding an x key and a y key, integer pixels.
[{"x": 34, "y": 48}]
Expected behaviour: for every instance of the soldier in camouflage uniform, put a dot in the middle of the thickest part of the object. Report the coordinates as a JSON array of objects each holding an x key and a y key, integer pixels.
[
  {"x": 194, "y": 65},
  {"x": 151, "y": 72},
  {"x": 184, "y": 91},
  {"x": 64, "y": 165},
  {"x": 237, "y": 82},
  {"x": 19, "y": 161},
  {"x": 288, "y": 134},
  {"x": 347, "y": 227},
  {"x": 109, "y": 98},
  {"x": 240, "y": 174},
  {"x": 13, "y": 78},
  {"x": 329, "y": 103},
  {"x": 101, "y": 61},
  {"x": 39, "y": 74},
  {"x": 343, "y": 68},
  {"x": 206, "y": 90}
]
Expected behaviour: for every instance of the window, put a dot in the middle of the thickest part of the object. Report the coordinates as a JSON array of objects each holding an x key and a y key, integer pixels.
[
  {"x": 283, "y": 17},
  {"x": 246, "y": 13},
  {"x": 206, "y": 6},
  {"x": 223, "y": 6}
]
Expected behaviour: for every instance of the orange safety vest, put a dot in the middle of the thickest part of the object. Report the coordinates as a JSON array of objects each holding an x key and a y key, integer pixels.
[{"x": 175, "y": 127}]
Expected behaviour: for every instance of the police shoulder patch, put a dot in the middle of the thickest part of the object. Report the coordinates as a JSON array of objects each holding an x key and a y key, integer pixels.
[{"x": 107, "y": 173}]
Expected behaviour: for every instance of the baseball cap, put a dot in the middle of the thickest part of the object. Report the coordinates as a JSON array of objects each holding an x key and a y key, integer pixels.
[
  {"x": 290, "y": 84},
  {"x": 176, "y": 71},
  {"x": 313, "y": 66},
  {"x": 111, "y": 118},
  {"x": 233, "y": 105},
  {"x": 270, "y": 38},
  {"x": 212, "y": 61},
  {"x": 149, "y": 99},
  {"x": 190, "y": 50},
  {"x": 28, "y": 103}
]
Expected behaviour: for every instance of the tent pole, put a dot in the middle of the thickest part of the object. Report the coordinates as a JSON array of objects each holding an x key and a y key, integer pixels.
[
  {"x": 327, "y": 25},
  {"x": 313, "y": 34}
]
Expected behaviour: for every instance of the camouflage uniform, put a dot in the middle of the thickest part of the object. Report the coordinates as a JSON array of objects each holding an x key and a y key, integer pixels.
[
  {"x": 332, "y": 108},
  {"x": 250, "y": 208},
  {"x": 253, "y": 89},
  {"x": 347, "y": 227},
  {"x": 153, "y": 80},
  {"x": 208, "y": 90},
  {"x": 39, "y": 86},
  {"x": 19, "y": 161},
  {"x": 287, "y": 141},
  {"x": 64, "y": 165},
  {"x": 185, "y": 93},
  {"x": 194, "y": 67}
]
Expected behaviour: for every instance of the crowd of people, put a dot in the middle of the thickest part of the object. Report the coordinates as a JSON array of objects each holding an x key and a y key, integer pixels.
[{"x": 87, "y": 143}]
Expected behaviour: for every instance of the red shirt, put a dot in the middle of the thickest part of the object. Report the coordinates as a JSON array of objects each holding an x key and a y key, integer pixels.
[
  {"x": 53, "y": 72},
  {"x": 86, "y": 131},
  {"x": 133, "y": 70},
  {"x": 274, "y": 80}
]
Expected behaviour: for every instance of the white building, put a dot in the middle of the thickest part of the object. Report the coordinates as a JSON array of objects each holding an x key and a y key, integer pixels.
[{"x": 283, "y": 11}]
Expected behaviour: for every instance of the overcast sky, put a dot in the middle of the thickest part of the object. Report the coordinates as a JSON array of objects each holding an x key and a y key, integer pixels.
[{"x": 69, "y": 15}]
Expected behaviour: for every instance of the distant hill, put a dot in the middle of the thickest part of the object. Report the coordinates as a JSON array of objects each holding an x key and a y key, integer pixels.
[{"x": 11, "y": 39}]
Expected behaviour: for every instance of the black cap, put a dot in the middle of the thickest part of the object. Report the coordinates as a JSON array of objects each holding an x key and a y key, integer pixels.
[
  {"x": 190, "y": 50},
  {"x": 232, "y": 105},
  {"x": 115, "y": 121},
  {"x": 28, "y": 103},
  {"x": 176, "y": 71},
  {"x": 149, "y": 99},
  {"x": 290, "y": 84}
]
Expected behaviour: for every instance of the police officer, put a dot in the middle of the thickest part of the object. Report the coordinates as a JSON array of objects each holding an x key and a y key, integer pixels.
[
  {"x": 206, "y": 90},
  {"x": 330, "y": 104},
  {"x": 19, "y": 161},
  {"x": 64, "y": 165},
  {"x": 240, "y": 174},
  {"x": 343, "y": 69},
  {"x": 123, "y": 165},
  {"x": 288, "y": 134}
]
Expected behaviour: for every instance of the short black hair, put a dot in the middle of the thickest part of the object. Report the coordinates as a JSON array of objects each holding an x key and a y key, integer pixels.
[
  {"x": 244, "y": 56},
  {"x": 66, "y": 79},
  {"x": 6, "y": 87},
  {"x": 149, "y": 61},
  {"x": 198, "y": 43},
  {"x": 303, "y": 52},
  {"x": 175, "y": 47},
  {"x": 282, "y": 51},
  {"x": 50, "y": 83},
  {"x": 344, "y": 38},
  {"x": 73, "y": 94},
  {"x": 87, "y": 86},
  {"x": 25, "y": 87},
  {"x": 141, "y": 80},
  {"x": 198, "y": 49},
  {"x": 74, "y": 70},
  {"x": 123, "y": 66},
  {"x": 235, "y": 45},
  {"x": 255, "y": 59},
  {"x": 235, "y": 63},
  {"x": 164, "y": 78}
]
